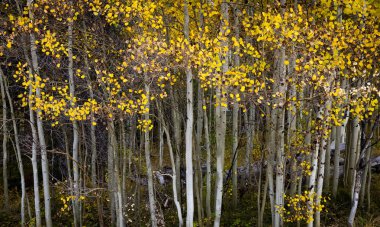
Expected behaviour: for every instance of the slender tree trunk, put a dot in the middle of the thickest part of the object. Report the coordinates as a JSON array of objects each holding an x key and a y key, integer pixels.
[
  {"x": 235, "y": 114},
  {"x": 365, "y": 178},
  {"x": 40, "y": 129},
  {"x": 262, "y": 209},
  {"x": 220, "y": 119},
  {"x": 76, "y": 210},
  {"x": 314, "y": 167},
  {"x": 369, "y": 186},
  {"x": 361, "y": 165},
  {"x": 68, "y": 163},
  {"x": 336, "y": 160},
  {"x": 189, "y": 130},
  {"x": 208, "y": 162},
  {"x": 249, "y": 117},
  {"x": 348, "y": 131},
  {"x": 321, "y": 169},
  {"x": 116, "y": 166},
  {"x": 152, "y": 201},
  {"x": 292, "y": 122},
  {"x": 4, "y": 86},
  {"x": 37, "y": 207},
  {"x": 111, "y": 178},
  {"x": 235, "y": 117},
  {"x": 353, "y": 154},
  {"x": 172, "y": 161},
  {"x": 280, "y": 137},
  {"x": 328, "y": 159},
  {"x": 161, "y": 144},
  {"x": 123, "y": 161},
  {"x": 271, "y": 128},
  {"x": 177, "y": 138},
  {"x": 5, "y": 148},
  {"x": 198, "y": 171}
]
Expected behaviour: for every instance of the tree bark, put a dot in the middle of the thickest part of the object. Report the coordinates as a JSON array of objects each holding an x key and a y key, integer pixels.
[
  {"x": 40, "y": 129},
  {"x": 189, "y": 129},
  {"x": 5, "y": 148},
  {"x": 4, "y": 86},
  {"x": 172, "y": 161},
  {"x": 152, "y": 200},
  {"x": 208, "y": 162},
  {"x": 235, "y": 117}
]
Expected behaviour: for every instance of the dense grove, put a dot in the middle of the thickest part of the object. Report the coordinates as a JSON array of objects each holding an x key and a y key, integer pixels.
[{"x": 193, "y": 112}]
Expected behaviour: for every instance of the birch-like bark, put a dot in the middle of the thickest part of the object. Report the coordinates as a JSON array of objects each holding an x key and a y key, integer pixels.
[
  {"x": 32, "y": 122},
  {"x": 152, "y": 200},
  {"x": 220, "y": 118},
  {"x": 76, "y": 208},
  {"x": 40, "y": 129},
  {"x": 189, "y": 129},
  {"x": 271, "y": 129},
  {"x": 111, "y": 178},
  {"x": 117, "y": 190},
  {"x": 314, "y": 168},
  {"x": 5, "y": 148},
  {"x": 4, "y": 86},
  {"x": 353, "y": 153},
  {"x": 172, "y": 161},
  {"x": 360, "y": 166},
  {"x": 280, "y": 137},
  {"x": 280, "y": 74},
  {"x": 321, "y": 165}
]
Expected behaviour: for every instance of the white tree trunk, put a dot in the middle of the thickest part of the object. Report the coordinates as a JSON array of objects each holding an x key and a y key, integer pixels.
[
  {"x": 353, "y": 154},
  {"x": 4, "y": 86},
  {"x": 40, "y": 129},
  {"x": 172, "y": 161},
  {"x": 189, "y": 130},
  {"x": 361, "y": 165},
  {"x": 116, "y": 166},
  {"x": 220, "y": 121},
  {"x": 76, "y": 208},
  {"x": 280, "y": 137},
  {"x": 5, "y": 148},
  {"x": 152, "y": 200}
]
